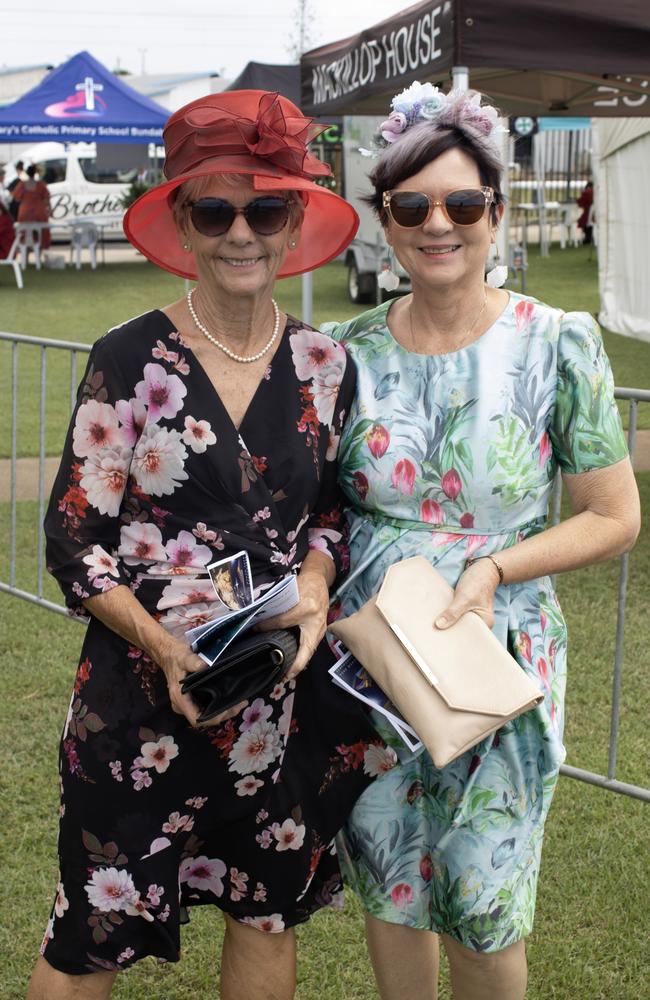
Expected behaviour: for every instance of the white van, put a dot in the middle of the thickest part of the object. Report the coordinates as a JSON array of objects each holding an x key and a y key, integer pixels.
[{"x": 79, "y": 189}]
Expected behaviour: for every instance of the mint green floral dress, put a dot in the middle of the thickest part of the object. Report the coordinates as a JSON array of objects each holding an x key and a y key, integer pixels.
[{"x": 448, "y": 457}]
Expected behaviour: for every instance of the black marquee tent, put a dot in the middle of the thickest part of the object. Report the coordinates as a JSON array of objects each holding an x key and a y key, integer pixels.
[{"x": 531, "y": 57}]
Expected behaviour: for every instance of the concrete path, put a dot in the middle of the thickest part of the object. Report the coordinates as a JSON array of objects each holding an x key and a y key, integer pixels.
[{"x": 27, "y": 471}]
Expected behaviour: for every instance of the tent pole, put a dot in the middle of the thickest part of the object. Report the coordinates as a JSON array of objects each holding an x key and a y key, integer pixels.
[{"x": 460, "y": 78}]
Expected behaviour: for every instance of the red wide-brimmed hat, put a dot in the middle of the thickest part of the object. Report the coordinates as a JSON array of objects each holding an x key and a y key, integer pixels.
[{"x": 243, "y": 132}]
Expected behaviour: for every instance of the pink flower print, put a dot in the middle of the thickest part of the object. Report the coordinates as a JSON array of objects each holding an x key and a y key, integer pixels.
[
  {"x": 451, "y": 484},
  {"x": 474, "y": 543},
  {"x": 179, "y": 620},
  {"x": 259, "y": 896},
  {"x": 198, "y": 435},
  {"x": 318, "y": 538},
  {"x": 157, "y": 845},
  {"x": 542, "y": 621},
  {"x": 154, "y": 892},
  {"x": 125, "y": 955},
  {"x": 158, "y": 461},
  {"x": 205, "y": 534},
  {"x": 431, "y": 512},
  {"x": 96, "y": 427},
  {"x": 181, "y": 591},
  {"x": 197, "y": 802},
  {"x": 379, "y": 760},
  {"x": 403, "y": 478},
  {"x": 141, "y": 779},
  {"x": 257, "y": 712},
  {"x": 264, "y": 839},
  {"x": 325, "y": 389},
  {"x": 262, "y": 515},
  {"x": 402, "y": 895},
  {"x": 48, "y": 935},
  {"x": 111, "y": 889},
  {"x": 523, "y": 315},
  {"x": 159, "y": 754},
  {"x": 103, "y": 477},
  {"x": 100, "y": 562},
  {"x": 140, "y": 543},
  {"x": 177, "y": 822},
  {"x": 332, "y": 447},
  {"x": 133, "y": 417},
  {"x": 238, "y": 882},
  {"x": 378, "y": 439},
  {"x": 360, "y": 484},
  {"x": 467, "y": 521},
  {"x": 162, "y": 353},
  {"x": 261, "y": 816},
  {"x": 184, "y": 551},
  {"x": 203, "y": 873},
  {"x": 289, "y": 836},
  {"x": 542, "y": 670},
  {"x": 104, "y": 583},
  {"x": 440, "y": 538},
  {"x": 61, "y": 904},
  {"x": 272, "y": 924},
  {"x": 161, "y": 393},
  {"x": 255, "y": 749},
  {"x": 523, "y": 646},
  {"x": 426, "y": 867},
  {"x": 248, "y": 785},
  {"x": 545, "y": 450},
  {"x": 277, "y": 692},
  {"x": 312, "y": 352},
  {"x": 116, "y": 769},
  {"x": 164, "y": 913}
]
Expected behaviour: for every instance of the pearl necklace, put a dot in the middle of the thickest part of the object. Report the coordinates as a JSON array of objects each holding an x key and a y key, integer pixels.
[{"x": 222, "y": 347}]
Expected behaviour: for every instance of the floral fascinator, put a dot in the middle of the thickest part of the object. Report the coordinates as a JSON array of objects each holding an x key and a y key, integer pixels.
[{"x": 422, "y": 102}]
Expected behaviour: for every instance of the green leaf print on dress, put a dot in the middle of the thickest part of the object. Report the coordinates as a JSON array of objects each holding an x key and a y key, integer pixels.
[{"x": 447, "y": 457}]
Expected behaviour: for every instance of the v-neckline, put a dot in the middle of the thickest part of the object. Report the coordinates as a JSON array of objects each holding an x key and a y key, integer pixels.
[{"x": 258, "y": 389}]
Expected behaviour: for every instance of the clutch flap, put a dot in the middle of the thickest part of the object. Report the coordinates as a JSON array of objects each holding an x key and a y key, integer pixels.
[{"x": 466, "y": 663}]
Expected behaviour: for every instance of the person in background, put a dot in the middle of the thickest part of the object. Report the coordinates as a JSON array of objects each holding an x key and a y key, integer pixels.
[
  {"x": 7, "y": 231},
  {"x": 469, "y": 401},
  {"x": 33, "y": 200},
  {"x": 585, "y": 202},
  {"x": 11, "y": 188}
]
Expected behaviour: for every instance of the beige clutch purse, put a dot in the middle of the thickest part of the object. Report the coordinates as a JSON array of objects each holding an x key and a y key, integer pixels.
[{"x": 454, "y": 686}]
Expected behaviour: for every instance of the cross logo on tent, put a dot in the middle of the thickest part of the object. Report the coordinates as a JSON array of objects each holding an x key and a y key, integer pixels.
[{"x": 89, "y": 87}]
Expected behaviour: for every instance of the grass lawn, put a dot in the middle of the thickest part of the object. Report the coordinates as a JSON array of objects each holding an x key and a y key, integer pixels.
[
  {"x": 81, "y": 306},
  {"x": 588, "y": 943},
  {"x": 590, "y": 940}
]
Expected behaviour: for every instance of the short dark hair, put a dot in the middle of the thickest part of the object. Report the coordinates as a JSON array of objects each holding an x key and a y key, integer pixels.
[
  {"x": 31, "y": 170},
  {"x": 421, "y": 145},
  {"x": 19, "y": 164}
]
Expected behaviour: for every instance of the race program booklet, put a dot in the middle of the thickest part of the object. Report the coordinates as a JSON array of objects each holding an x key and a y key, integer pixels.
[
  {"x": 232, "y": 581},
  {"x": 353, "y": 678}
]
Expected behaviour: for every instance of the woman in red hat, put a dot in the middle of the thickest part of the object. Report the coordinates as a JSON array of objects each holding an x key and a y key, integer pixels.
[{"x": 201, "y": 429}]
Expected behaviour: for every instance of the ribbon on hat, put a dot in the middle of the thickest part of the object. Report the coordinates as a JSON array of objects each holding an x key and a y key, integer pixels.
[{"x": 273, "y": 136}]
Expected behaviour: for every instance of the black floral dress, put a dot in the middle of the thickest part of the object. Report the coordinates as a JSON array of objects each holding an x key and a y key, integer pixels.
[{"x": 155, "y": 483}]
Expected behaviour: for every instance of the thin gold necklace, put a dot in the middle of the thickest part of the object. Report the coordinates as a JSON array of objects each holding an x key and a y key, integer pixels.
[{"x": 466, "y": 336}]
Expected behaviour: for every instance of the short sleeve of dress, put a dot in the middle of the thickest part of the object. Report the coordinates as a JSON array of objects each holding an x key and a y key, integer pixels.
[
  {"x": 82, "y": 525},
  {"x": 328, "y": 529},
  {"x": 586, "y": 431}
]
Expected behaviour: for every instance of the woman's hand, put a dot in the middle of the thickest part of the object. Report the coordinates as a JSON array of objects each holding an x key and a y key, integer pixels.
[
  {"x": 309, "y": 615},
  {"x": 474, "y": 592},
  {"x": 176, "y": 664}
]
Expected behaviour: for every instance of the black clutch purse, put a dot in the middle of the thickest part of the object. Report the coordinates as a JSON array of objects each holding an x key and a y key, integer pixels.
[{"x": 248, "y": 668}]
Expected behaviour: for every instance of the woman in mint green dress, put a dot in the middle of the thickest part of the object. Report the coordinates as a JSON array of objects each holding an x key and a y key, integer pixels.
[{"x": 469, "y": 400}]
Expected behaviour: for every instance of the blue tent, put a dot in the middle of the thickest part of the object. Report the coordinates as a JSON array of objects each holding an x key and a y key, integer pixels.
[{"x": 82, "y": 101}]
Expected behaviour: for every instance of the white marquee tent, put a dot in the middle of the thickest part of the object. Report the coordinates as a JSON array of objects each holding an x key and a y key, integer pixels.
[{"x": 622, "y": 216}]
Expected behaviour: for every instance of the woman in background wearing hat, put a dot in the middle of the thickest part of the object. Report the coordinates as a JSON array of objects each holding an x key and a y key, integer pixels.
[{"x": 201, "y": 429}]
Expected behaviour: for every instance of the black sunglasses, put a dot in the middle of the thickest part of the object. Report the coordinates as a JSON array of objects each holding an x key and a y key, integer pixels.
[
  {"x": 215, "y": 216},
  {"x": 409, "y": 209}
]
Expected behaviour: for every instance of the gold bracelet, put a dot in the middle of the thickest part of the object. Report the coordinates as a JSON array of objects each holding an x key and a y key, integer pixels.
[{"x": 494, "y": 562}]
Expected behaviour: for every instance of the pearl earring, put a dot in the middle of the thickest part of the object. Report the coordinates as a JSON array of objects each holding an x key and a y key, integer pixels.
[
  {"x": 187, "y": 246},
  {"x": 292, "y": 244}
]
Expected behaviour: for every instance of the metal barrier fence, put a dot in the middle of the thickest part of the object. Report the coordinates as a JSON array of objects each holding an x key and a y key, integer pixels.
[{"x": 633, "y": 396}]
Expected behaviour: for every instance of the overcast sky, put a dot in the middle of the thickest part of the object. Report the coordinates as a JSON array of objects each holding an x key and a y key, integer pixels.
[{"x": 166, "y": 36}]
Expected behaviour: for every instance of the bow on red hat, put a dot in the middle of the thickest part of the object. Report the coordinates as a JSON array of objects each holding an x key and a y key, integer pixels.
[{"x": 273, "y": 136}]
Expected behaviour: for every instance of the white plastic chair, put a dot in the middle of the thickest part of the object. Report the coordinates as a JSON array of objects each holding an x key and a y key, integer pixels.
[
  {"x": 84, "y": 235},
  {"x": 11, "y": 260},
  {"x": 29, "y": 237}
]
